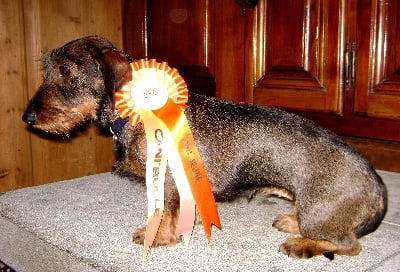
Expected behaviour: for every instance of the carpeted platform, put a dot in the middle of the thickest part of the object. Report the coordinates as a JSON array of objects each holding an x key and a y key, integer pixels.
[{"x": 85, "y": 224}]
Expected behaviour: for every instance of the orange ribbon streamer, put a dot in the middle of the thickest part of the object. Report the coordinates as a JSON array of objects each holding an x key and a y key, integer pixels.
[
  {"x": 156, "y": 96},
  {"x": 195, "y": 171}
]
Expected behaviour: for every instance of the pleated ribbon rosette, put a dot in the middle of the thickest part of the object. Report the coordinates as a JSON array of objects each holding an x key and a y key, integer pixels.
[{"x": 156, "y": 97}]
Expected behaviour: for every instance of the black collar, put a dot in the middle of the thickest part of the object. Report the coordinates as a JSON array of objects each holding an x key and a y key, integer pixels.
[{"x": 117, "y": 125}]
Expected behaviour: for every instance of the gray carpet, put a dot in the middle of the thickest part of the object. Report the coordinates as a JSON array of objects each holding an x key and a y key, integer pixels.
[{"x": 85, "y": 224}]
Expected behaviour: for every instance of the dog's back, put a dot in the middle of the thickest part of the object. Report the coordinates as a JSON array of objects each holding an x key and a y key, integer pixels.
[{"x": 246, "y": 146}]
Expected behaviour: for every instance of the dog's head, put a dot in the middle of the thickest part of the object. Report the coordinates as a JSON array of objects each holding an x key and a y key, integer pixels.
[{"x": 79, "y": 83}]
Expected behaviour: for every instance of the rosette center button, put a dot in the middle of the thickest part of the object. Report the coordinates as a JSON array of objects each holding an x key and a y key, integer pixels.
[{"x": 150, "y": 94}]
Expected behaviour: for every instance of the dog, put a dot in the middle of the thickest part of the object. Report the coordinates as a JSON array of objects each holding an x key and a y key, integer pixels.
[{"x": 337, "y": 195}]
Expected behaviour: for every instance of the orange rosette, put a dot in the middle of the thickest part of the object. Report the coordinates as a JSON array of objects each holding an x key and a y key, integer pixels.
[
  {"x": 150, "y": 79},
  {"x": 156, "y": 97}
]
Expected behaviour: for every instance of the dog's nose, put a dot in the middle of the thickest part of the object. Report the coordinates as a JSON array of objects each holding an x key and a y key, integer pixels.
[{"x": 29, "y": 117}]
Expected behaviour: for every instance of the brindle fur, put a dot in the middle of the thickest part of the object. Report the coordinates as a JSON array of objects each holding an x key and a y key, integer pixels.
[{"x": 337, "y": 195}]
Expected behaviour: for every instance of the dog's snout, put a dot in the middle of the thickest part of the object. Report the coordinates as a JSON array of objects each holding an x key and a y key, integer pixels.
[{"x": 29, "y": 117}]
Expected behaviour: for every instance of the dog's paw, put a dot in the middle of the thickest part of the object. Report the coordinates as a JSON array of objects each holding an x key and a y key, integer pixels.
[
  {"x": 296, "y": 248},
  {"x": 307, "y": 248},
  {"x": 286, "y": 223},
  {"x": 139, "y": 235},
  {"x": 163, "y": 238}
]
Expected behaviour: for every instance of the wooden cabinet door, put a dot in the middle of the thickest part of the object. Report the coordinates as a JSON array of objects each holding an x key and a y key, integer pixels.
[
  {"x": 377, "y": 88},
  {"x": 298, "y": 51}
]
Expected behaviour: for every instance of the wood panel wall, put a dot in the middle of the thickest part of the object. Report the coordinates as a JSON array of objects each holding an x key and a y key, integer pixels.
[
  {"x": 27, "y": 29},
  {"x": 15, "y": 162}
]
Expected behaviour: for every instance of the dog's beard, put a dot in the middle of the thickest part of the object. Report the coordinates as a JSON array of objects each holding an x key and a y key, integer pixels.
[{"x": 63, "y": 121}]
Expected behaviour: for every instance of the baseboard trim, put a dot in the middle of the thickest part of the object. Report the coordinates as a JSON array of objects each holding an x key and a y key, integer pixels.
[{"x": 384, "y": 155}]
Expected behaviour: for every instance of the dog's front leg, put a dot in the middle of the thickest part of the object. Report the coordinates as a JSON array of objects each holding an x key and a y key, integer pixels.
[{"x": 166, "y": 232}]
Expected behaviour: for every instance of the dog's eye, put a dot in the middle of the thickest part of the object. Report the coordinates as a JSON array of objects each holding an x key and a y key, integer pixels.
[{"x": 64, "y": 70}]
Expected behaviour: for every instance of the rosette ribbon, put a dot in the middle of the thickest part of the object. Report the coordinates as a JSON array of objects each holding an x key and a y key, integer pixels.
[{"x": 156, "y": 97}]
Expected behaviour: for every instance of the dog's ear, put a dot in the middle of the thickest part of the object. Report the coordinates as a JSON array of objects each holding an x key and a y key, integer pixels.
[
  {"x": 116, "y": 68},
  {"x": 94, "y": 41}
]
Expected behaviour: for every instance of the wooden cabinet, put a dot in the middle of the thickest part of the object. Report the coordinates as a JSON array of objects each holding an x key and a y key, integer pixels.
[
  {"x": 29, "y": 28},
  {"x": 336, "y": 62},
  {"x": 338, "y": 58}
]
